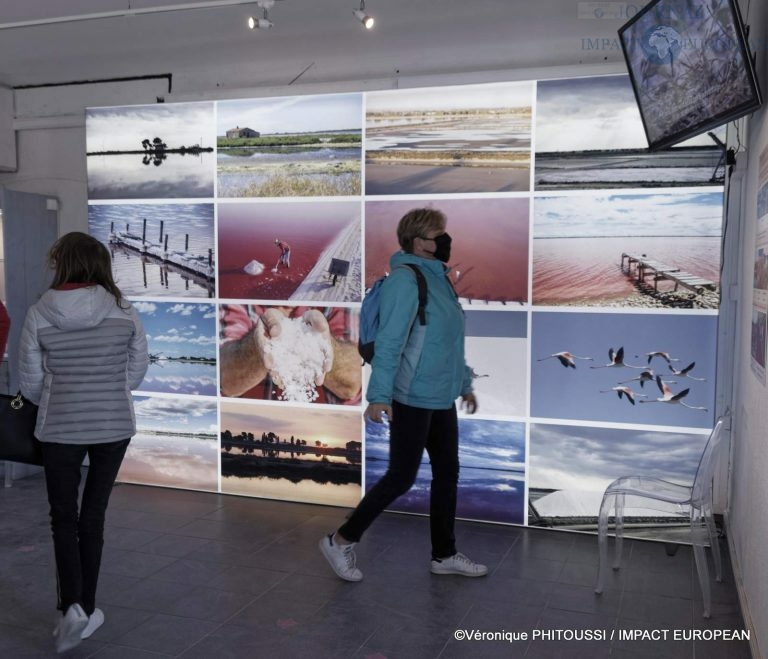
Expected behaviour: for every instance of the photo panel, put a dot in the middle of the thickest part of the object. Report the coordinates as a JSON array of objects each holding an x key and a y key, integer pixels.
[
  {"x": 181, "y": 339},
  {"x": 656, "y": 369},
  {"x": 496, "y": 349},
  {"x": 589, "y": 135},
  {"x": 570, "y": 467},
  {"x": 294, "y": 146},
  {"x": 475, "y": 138},
  {"x": 291, "y": 453},
  {"x": 151, "y": 151},
  {"x": 650, "y": 250},
  {"x": 308, "y": 251},
  {"x": 489, "y": 252},
  {"x": 176, "y": 444},
  {"x": 158, "y": 249},
  {"x": 492, "y": 476},
  {"x": 290, "y": 353}
]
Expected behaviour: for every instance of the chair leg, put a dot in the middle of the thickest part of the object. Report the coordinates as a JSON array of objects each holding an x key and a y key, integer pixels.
[
  {"x": 709, "y": 520},
  {"x": 602, "y": 542},
  {"x": 619, "y": 517},
  {"x": 700, "y": 557}
]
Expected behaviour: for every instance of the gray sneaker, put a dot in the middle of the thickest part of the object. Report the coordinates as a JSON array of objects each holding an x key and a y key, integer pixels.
[
  {"x": 458, "y": 564},
  {"x": 341, "y": 558}
]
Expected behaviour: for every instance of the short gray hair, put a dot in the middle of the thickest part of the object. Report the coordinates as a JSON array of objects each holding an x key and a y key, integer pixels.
[{"x": 416, "y": 223}]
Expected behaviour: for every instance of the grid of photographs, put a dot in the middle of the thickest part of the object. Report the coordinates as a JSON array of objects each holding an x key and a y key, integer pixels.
[{"x": 588, "y": 270}]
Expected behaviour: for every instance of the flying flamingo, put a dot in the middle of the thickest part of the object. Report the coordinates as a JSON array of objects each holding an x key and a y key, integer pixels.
[
  {"x": 616, "y": 360},
  {"x": 668, "y": 396},
  {"x": 565, "y": 358},
  {"x": 624, "y": 391},
  {"x": 684, "y": 372},
  {"x": 659, "y": 353},
  {"x": 644, "y": 377}
]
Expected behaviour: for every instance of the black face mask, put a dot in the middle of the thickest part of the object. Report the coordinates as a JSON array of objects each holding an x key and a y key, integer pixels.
[{"x": 442, "y": 247}]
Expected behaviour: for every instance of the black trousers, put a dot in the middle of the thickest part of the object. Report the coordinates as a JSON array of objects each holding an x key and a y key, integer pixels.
[
  {"x": 411, "y": 430},
  {"x": 78, "y": 537}
]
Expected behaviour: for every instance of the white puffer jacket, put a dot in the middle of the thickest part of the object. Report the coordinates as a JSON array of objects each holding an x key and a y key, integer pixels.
[{"x": 80, "y": 354}]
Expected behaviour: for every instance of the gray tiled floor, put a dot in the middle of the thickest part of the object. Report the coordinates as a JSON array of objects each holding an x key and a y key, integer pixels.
[{"x": 189, "y": 574}]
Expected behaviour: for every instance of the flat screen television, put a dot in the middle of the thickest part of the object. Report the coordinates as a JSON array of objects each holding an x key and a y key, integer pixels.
[{"x": 690, "y": 67}]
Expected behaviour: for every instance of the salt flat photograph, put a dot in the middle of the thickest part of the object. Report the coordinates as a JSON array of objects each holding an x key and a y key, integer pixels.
[
  {"x": 290, "y": 251},
  {"x": 635, "y": 368},
  {"x": 648, "y": 250},
  {"x": 176, "y": 444},
  {"x": 158, "y": 250},
  {"x": 292, "y": 454},
  {"x": 181, "y": 338},
  {"x": 295, "y": 146},
  {"x": 492, "y": 471},
  {"x": 475, "y": 138},
  {"x": 489, "y": 252},
  {"x": 496, "y": 349},
  {"x": 151, "y": 151},
  {"x": 570, "y": 466},
  {"x": 589, "y": 134}
]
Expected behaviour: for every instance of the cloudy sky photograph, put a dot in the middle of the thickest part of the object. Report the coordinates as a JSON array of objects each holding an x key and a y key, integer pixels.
[{"x": 176, "y": 329}]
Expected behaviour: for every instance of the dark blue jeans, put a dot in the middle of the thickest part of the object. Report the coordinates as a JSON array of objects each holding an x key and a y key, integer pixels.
[
  {"x": 78, "y": 537},
  {"x": 411, "y": 430}
]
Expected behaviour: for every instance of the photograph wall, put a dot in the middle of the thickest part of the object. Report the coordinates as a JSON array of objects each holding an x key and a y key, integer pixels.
[{"x": 246, "y": 232}]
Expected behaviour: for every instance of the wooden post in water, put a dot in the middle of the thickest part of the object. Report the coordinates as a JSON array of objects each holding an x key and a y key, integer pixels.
[
  {"x": 162, "y": 222},
  {"x": 127, "y": 228},
  {"x": 210, "y": 257},
  {"x": 111, "y": 227},
  {"x": 186, "y": 242},
  {"x": 144, "y": 232},
  {"x": 165, "y": 245}
]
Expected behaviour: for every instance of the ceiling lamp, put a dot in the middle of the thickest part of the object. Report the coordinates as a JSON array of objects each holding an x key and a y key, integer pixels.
[
  {"x": 364, "y": 18},
  {"x": 262, "y": 23}
]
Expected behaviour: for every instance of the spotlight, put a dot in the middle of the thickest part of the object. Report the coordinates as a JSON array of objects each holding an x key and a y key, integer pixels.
[
  {"x": 361, "y": 16},
  {"x": 259, "y": 23},
  {"x": 262, "y": 23}
]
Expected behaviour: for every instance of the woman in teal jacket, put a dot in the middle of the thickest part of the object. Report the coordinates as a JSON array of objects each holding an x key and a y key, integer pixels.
[{"x": 418, "y": 373}]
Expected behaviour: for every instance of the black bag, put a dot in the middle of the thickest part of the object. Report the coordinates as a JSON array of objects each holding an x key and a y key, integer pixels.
[{"x": 17, "y": 430}]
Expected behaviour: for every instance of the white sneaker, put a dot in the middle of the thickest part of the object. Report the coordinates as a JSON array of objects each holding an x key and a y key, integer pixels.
[
  {"x": 95, "y": 621},
  {"x": 458, "y": 564},
  {"x": 341, "y": 558},
  {"x": 71, "y": 625}
]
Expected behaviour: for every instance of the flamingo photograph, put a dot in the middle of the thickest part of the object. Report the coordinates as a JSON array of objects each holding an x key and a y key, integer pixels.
[
  {"x": 685, "y": 372},
  {"x": 669, "y": 396},
  {"x": 565, "y": 358},
  {"x": 558, "y": 393}
]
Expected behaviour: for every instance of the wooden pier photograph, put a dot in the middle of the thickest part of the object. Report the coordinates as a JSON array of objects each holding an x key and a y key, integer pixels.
[
  {"x": 176, "y": 443},
  {"x": 589, "y": 134},
  {"x": 181, "y": 338},
  {"x": 492, "y": 478},
  {"x": 160, "y": 249},
  {"x": 151, "y": 151},
  {"x": 475, "y": 138},
  {"x": 653, "y": 250},
  {"x": 570, "y": 467},
  {"x": 301, "y": 250},
  {"x": 295, "y": 146},
  {"x": 489, "y": 253},
  {"x": 291, "y": 453}
]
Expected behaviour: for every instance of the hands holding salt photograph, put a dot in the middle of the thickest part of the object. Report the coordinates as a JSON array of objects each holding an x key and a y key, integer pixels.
[{"x": 303, "y": 352}]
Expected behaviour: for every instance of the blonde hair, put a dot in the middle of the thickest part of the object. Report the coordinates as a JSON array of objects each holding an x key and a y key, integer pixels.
[
  {"x": 416, "y": 223},
  {"x": 77, "y": 258}
]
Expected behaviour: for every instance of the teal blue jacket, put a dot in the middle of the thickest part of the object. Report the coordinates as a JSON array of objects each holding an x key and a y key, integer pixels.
[{"x": 419, "y": 365}]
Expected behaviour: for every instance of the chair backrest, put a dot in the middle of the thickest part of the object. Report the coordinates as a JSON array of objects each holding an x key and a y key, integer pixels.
[{"x": 705, "y": 473}]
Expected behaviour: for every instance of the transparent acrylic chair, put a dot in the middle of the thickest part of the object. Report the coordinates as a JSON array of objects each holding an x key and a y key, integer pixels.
[{"x": 694, "y": 502}]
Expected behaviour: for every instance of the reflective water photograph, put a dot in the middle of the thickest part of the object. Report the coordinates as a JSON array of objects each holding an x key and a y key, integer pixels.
[{"x": 151, "y": 151}]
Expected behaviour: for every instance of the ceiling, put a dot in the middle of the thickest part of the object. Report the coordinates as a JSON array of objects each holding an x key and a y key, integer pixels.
[{"x": 312, "y": 41}]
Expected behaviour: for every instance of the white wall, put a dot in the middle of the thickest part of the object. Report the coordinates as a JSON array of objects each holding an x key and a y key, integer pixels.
[{"x": 747, "y": 519}]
